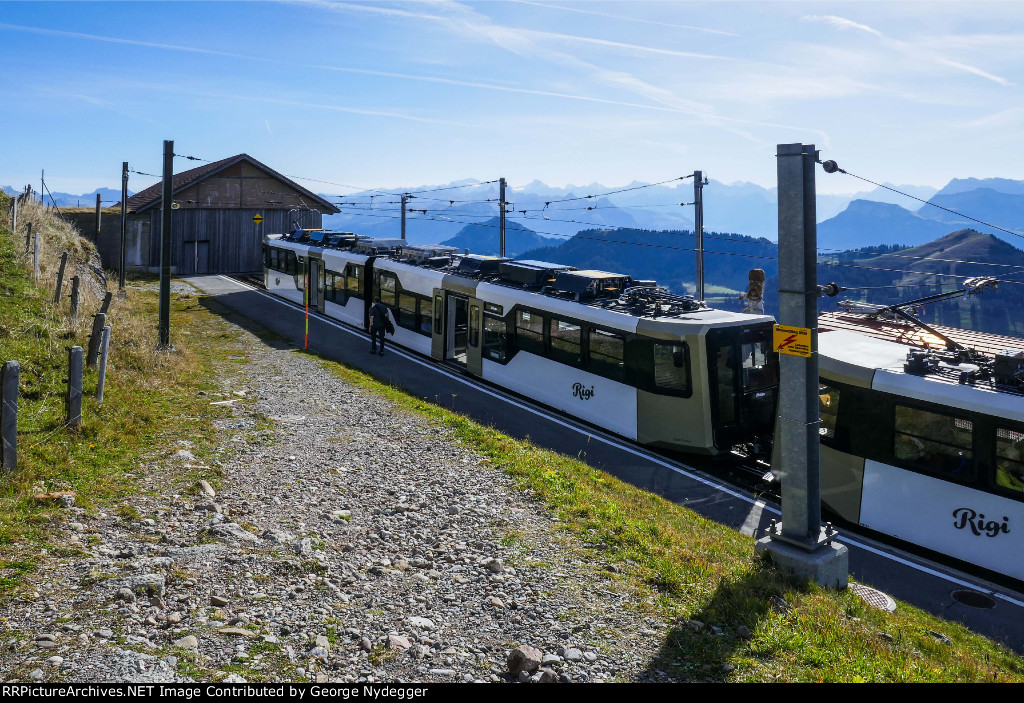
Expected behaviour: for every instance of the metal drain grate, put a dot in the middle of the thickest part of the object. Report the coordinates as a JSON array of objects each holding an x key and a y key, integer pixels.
[
  {"x": 876, "y": 599},
  {"x": 974, "y": 599}
]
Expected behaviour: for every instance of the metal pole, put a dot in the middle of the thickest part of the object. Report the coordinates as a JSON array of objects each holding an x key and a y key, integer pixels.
[
  {"x": 14, "y": 224},
  {"x": 164, "y": 325},
  {"x": 9, "y": 374},
  {"x": 698, "y": 230},
  {"x": 124, "y": 197},
  {"x": 99, "y": 321},
  {"x": 35, "y": 257},
  {"x": 42, "y": 187},
  {"x": 405, "y": 199},
  {"x": 99, "y": 215},
  {"x": 75, "y": 281},
  {"x": 104, "y": 349},
  {"x": 74, "y": 397},
  {"x": 501, "y": 215},
  {"x": 798, "y": 307}
]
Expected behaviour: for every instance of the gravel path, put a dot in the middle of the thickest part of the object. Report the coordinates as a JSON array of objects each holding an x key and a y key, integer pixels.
[{"x": 349, "y": 541}]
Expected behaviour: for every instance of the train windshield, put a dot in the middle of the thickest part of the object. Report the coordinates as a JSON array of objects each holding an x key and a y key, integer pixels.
[{"x": 744, "y": 380}]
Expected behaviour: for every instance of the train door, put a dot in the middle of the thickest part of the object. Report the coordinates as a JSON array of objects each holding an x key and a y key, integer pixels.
[
  {"x": 743, "y": 383},
  {"x": 474, "y": 338},
  {"x": 456, "y": 328},
  {"x": 437, "y": 331},
  {"x": 315, "y": 284}
]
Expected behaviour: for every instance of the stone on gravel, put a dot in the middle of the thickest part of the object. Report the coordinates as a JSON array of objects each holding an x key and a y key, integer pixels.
[
  {"x": 398, "y": 642},
  {"x": 232, "y": 530},
  {"x": 188, "y": 642},
  {"x": 523, "y": 658}
]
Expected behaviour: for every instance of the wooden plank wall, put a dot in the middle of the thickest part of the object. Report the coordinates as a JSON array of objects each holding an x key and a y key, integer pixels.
[{"x": 235, "y": 242}]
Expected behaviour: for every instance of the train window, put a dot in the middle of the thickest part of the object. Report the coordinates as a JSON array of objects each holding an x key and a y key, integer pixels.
[
  {"x": 495, "y": 339},
  {"x": 934, "y": 442},
  {"x": 757, "y": 372},
  {"x": 566, "y": 342},
  {"x": 423, "y": 315},
  {"x": 438, "y": 313},
  {"x": 291, "y": 266},
  {"x": 672, "y": 368},
  {"x": 474, "y": 325},
  {"x": 334, "y": 287},
  {"x": 607, "y": 355},
  {"x": 353, "y": 278},
  {"x": 530, "y": 331},
  {"x": 828, "y": 408},
  {"x": 1010, "y": 460},
  {"x": 407, "y": 311},
  {"x": 388, "y": 289}
]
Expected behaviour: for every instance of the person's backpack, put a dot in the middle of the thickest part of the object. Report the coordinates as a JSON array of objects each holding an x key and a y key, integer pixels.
[{"x": 382, "y": 311}]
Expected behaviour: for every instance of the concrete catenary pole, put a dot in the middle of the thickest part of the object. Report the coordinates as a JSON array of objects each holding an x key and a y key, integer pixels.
[
  {"x": 124, "y": 198},
  {"x": 501, "y": 215},
  {"x": 99, "y": 216},
  {"x": 164, "y": 325},
  {"x": 800, "y": 544},
  {"x": 698, "y": 230}
]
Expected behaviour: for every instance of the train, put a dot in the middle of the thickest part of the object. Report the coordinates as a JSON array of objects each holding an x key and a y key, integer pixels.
[
  {"x": 621, "y": 354},
  {"x": 922, "y": 445},
  {"x": 922, "y": 438}
]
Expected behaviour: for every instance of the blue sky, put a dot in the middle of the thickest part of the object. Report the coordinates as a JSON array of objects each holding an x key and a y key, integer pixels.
[{"x": 404, "y": 93}]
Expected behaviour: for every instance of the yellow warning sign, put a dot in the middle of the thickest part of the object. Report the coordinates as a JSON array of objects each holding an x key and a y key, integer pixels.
[
  {"x": 792, "y": 340},
  {"x": 257, "y": 218}
]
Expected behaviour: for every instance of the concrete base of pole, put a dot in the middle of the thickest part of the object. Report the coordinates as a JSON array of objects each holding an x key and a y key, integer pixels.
[{"x": 827, "y": 566}]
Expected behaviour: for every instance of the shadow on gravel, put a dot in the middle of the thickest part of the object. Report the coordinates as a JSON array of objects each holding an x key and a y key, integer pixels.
[
  {"x": 218, "y": 308},
  {"x": 698, "y": 648}
]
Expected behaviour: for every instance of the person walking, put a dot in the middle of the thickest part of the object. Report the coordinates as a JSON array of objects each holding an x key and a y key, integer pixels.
[{"x": 379, "y": 324}]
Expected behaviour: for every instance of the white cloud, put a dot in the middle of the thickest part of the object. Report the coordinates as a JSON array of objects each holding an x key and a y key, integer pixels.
[{"x": 913, "y": 51}]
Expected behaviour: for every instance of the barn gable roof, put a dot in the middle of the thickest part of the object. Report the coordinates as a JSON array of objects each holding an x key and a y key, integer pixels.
[{"x": 151, "y": 197}]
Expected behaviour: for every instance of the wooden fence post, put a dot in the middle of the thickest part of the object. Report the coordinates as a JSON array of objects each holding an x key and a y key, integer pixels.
[
  {"x": 104, "y": 350},
  {"x": 99, "y": 320},
  {"x": 73, "y": 401},
  {"x": 60, "y": 277},
  {"x": 9, "y": 374},
  {"x": 28, "y": 236},
  {"x": 106, "y": 302},
  {"x": 75, "y": 281},
  {"x": 35, "y": 258}
]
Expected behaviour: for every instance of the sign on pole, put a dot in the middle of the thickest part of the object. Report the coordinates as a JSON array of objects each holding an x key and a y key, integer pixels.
[
  {"x": 792, "y": 340},
  {"x": 257, "y": 218}
]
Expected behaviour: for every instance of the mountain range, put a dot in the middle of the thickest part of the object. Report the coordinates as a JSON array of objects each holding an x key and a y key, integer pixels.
[
  {"x": 436, "y": 213},
  {"x": 108, "y": 196}
]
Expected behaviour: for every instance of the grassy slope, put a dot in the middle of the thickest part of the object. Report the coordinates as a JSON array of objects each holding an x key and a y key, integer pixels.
[{"x": 149, "y": 401}]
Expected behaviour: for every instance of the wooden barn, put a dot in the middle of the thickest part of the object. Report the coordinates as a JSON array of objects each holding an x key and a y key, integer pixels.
[{"x": 212, "y": 228}]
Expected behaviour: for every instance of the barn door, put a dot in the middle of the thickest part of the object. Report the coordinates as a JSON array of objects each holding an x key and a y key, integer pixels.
[{"x": 202, "y": 261}]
